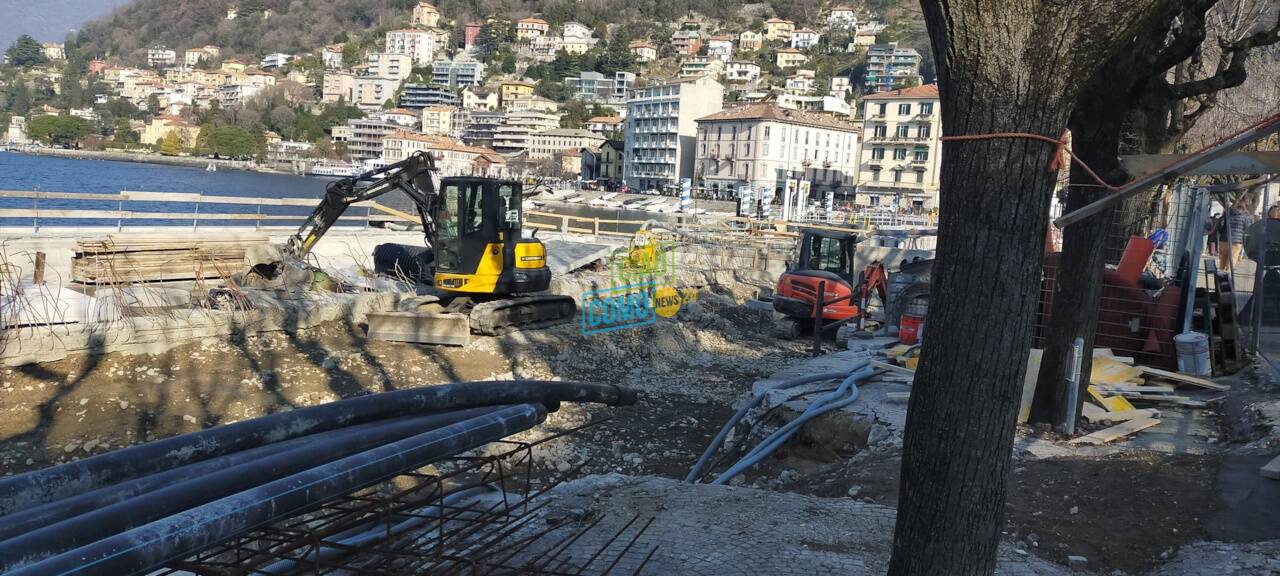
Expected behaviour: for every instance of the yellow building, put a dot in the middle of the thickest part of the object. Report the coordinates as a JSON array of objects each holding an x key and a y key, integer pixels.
[
  {"x": 438, "y": 120},
  {"x": 511, "y": 90},
  {"x": 233, "y": 66},
  {"x": 425, "y": 15},
  {"x": 160, "y": 127},
  {"x": 778, "y": 29},
  {"x": 530, "y": 28},
  {"x": 790, "y": 58}
]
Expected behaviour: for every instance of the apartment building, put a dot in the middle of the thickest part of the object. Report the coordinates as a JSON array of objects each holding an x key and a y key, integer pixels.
[
  {"x": 275, "y": 60},
  {"x": 890, "y": 68},
  {"x": 804, "y": 38},
  {"x": 702, "y": 66},
  {"x": 643, "y": 50},
  {"x": 720, "y": 47},
  {"x": 514, "y": 136},
  {"x": 750, "y": 41},
  {"x": 481, "y": 127},
  {"x": 789, "y": 58},
  {"x": 417, "y": 96},
  {"x": 763, "y": 145},
  {"x": 371, "y": 92},
  {"x": 338, "y": 86},
  {"x": 425, "y": 15},
  {"x": 160, "y": 56},
  {"x": 512, "y": 89},
  {"x": 195, "y": 56},
  {"x": 438, "y": 120},
  {"x": 901, "y": 153},
  {"x": 603, "y": 163},
  {"x": 418, "y": 45},
  {"x": 660, "y": 129},
  {"x": 604, "y": 125},
  {"x": 530, "y": 28},
  {"x": 548, "y": 143},
  {"x": 842, "y": 17},
  {"x": 452, "y": 158},
  {"x": 387, "y": 65},
  {"x": 741, "y": 71},
  {"x": 686, "y": 42},
  {"x": 331, "y": 56},
  {"x": 457, "y": 72},
  {"x": 366, "y": 134},
  {"x": 778, "y": 29},
  {"x": 600, "y": 88},
  {"x": 479, "y": 98}
]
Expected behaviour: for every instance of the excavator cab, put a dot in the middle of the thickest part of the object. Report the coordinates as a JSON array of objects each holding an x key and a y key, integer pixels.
[{"x": 479, "y": 246}]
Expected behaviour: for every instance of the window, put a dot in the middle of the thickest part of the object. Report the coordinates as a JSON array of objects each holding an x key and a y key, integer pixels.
[
  {"x": 704, "y": 148},
  {"x": 877, "y": 153},
  {"x": 924, "y": 132},
  {"x": 919, "y": 176},
  {"x": 746, "y": 150},
  {"x": 875, "y": 174},
  {"x": 922, "y": 154},
  {"x": 899, "y": 153},
  {"x": 828, "y": 255},
  {"x": 926, "y": 108},
  {"x": 904, "y": 109},
  {"x": 879, "y": 131},
  {"x": 883, "y": 107},
  {"x": 746, "y": 171},
  {"x": 766, "y": 132},
  {"x": 902, "y": 131},
  {"x": 897, "y": 176}
]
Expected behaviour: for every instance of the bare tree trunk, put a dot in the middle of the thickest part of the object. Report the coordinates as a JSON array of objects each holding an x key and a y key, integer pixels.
[
  {"x": 1095, "y": 136},
  {"x": 1004, "y": 66}
]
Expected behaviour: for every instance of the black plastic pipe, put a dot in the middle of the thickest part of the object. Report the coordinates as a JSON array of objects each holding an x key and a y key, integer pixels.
[
  {"x": 95, "y": 525},
  {"x": 145, "y": 548},
  {"x": 41, "y": 486}
]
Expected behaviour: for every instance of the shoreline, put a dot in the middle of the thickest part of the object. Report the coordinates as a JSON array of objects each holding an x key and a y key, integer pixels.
[{"x": 156, "y": 158}]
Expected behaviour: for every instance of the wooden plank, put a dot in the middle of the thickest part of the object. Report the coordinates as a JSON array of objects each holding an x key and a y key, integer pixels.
[
  {"x": 1115, "y": 432},
  {"x": 1183, "y": 378},
  {"x": 1093, "y": 413},
  {"x": 1121, "y": 388},
  {"x": 893, "y": 368},
  {"x": 897, "y": 395},
  {"x": 1272, "y": 469}
]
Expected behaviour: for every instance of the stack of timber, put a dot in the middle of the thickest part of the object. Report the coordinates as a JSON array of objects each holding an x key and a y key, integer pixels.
[
  {"x": 126, "y": 260},
  {"x": 1115, "y": 384}
]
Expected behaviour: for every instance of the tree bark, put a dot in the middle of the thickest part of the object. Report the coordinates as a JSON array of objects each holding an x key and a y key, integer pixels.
[
  {"x": 1095, "y": 135},
  {"x": 1004, "y": 66}
]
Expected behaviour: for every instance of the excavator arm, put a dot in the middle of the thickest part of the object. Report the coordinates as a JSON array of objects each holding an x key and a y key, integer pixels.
[{"x": 415, "y": 176}]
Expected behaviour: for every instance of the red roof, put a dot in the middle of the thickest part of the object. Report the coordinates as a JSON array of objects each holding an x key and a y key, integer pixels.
[{"x": 926, "y": 91}]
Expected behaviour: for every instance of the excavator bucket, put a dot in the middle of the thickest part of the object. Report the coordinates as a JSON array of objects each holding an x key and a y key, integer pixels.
[{"x": 420, "y": 327}]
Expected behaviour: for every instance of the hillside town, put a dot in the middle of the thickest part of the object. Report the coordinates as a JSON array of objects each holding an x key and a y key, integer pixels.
[{"x": 721, "y": 108}]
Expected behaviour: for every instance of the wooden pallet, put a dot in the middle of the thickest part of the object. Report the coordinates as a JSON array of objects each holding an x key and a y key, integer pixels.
[{"x": 145, "y": 259}]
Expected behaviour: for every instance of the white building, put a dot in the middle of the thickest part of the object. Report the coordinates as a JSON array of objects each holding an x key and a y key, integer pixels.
[
  {"x": 842, "y": 17},
  {"x": 161, "y": 56},
  {"x": 331, "y": 56},
  {"x": 419, "y": 45},
  {"x": 17, "y": 132},
  {"x": 660, "y": 129},
  {"x": 548, "y": 143},
  {"x": 720, "y": 47},
  {"x": 457, "y": 72},
  {"x": 479, "y": 98},
  {"x": 702, "y": 66},
  {"x": 902, "y": 153},
  {"x": 801, "y": 82},
  {"x": 764, "y": 145},
  {"x": 741, "y": 71},
  {"x": 53, "y": 51},
  {"x": 425, "y": 15},
  {"x": 840, "y": 86},
  {"x": 804, "y": 39},
  {"x": 644, "y": 51},
  {"x": 515, "y": 134},
  {"x": 452, "y": 158},
  {"x": 275, "y": 60},
  {"x": 530, "y": 28}
]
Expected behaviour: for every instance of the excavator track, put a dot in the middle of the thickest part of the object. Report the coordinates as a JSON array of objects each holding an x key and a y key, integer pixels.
[{"x": 501, "y": 316}]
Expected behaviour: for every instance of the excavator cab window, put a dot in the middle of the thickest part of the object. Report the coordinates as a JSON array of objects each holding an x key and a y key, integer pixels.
[
  {"x": 829, "y": 254},
  {"x": 505, "y": 194},
  {"x": 447, "y": 256}
]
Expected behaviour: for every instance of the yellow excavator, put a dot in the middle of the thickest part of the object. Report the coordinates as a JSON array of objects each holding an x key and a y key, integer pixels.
[{"x": 485, "y": 275}]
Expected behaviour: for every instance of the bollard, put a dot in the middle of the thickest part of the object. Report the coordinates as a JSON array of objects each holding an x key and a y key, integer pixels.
[
  {"x": 38, "y": 274},
  {"x": 817, "y": 318}
]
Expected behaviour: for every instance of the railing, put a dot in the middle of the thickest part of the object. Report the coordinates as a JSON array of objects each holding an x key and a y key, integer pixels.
[{"x": 54, "y": 216}]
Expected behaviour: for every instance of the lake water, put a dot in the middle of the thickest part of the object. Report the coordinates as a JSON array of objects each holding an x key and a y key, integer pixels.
[{"x": 51, "y": 174}]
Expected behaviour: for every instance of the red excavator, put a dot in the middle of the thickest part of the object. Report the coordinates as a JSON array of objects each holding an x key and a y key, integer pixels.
[{"x": 827, "y": 256}]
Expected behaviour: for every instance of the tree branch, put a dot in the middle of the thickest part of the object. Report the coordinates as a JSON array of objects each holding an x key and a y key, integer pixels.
[
  {"x": 1234, "y": 73},
  {"x": 1191, "y": 32}
]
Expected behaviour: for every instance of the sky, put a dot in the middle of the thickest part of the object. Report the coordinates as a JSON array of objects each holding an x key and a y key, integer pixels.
[{"x": 48, "y": 20}]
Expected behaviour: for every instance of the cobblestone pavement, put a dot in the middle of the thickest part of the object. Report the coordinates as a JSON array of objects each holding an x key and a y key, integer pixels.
[
  {"x": 704, "y": 529},
  {"x": 1224, "y": 559}
]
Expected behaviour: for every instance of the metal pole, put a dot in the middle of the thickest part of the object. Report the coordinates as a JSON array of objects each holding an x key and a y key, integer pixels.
[
  {"x": 1073, "y": 385},
  {"x": 195, "y": 222},
  {"x": 817, "y": 318},
  {"x": 1260, "y": 272}
]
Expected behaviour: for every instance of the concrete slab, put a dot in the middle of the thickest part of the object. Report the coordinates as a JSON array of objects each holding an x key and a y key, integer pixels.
[
  {"x": 564, "y": 256},
  {"x": 420, "y": 328},
  {"x": 722, "y": 530}
]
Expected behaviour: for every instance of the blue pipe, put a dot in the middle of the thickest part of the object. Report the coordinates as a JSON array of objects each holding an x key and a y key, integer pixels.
[
  {"x": 742, "y": 413},
  {"x": 843, "y": 396}
]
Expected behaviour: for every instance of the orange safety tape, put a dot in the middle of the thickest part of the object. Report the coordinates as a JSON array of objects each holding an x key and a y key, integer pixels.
[{"x": 1054, "y": 165}]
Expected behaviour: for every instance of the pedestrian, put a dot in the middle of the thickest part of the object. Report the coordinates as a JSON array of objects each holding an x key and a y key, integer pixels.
[{"x": 1238, "y": 220}]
